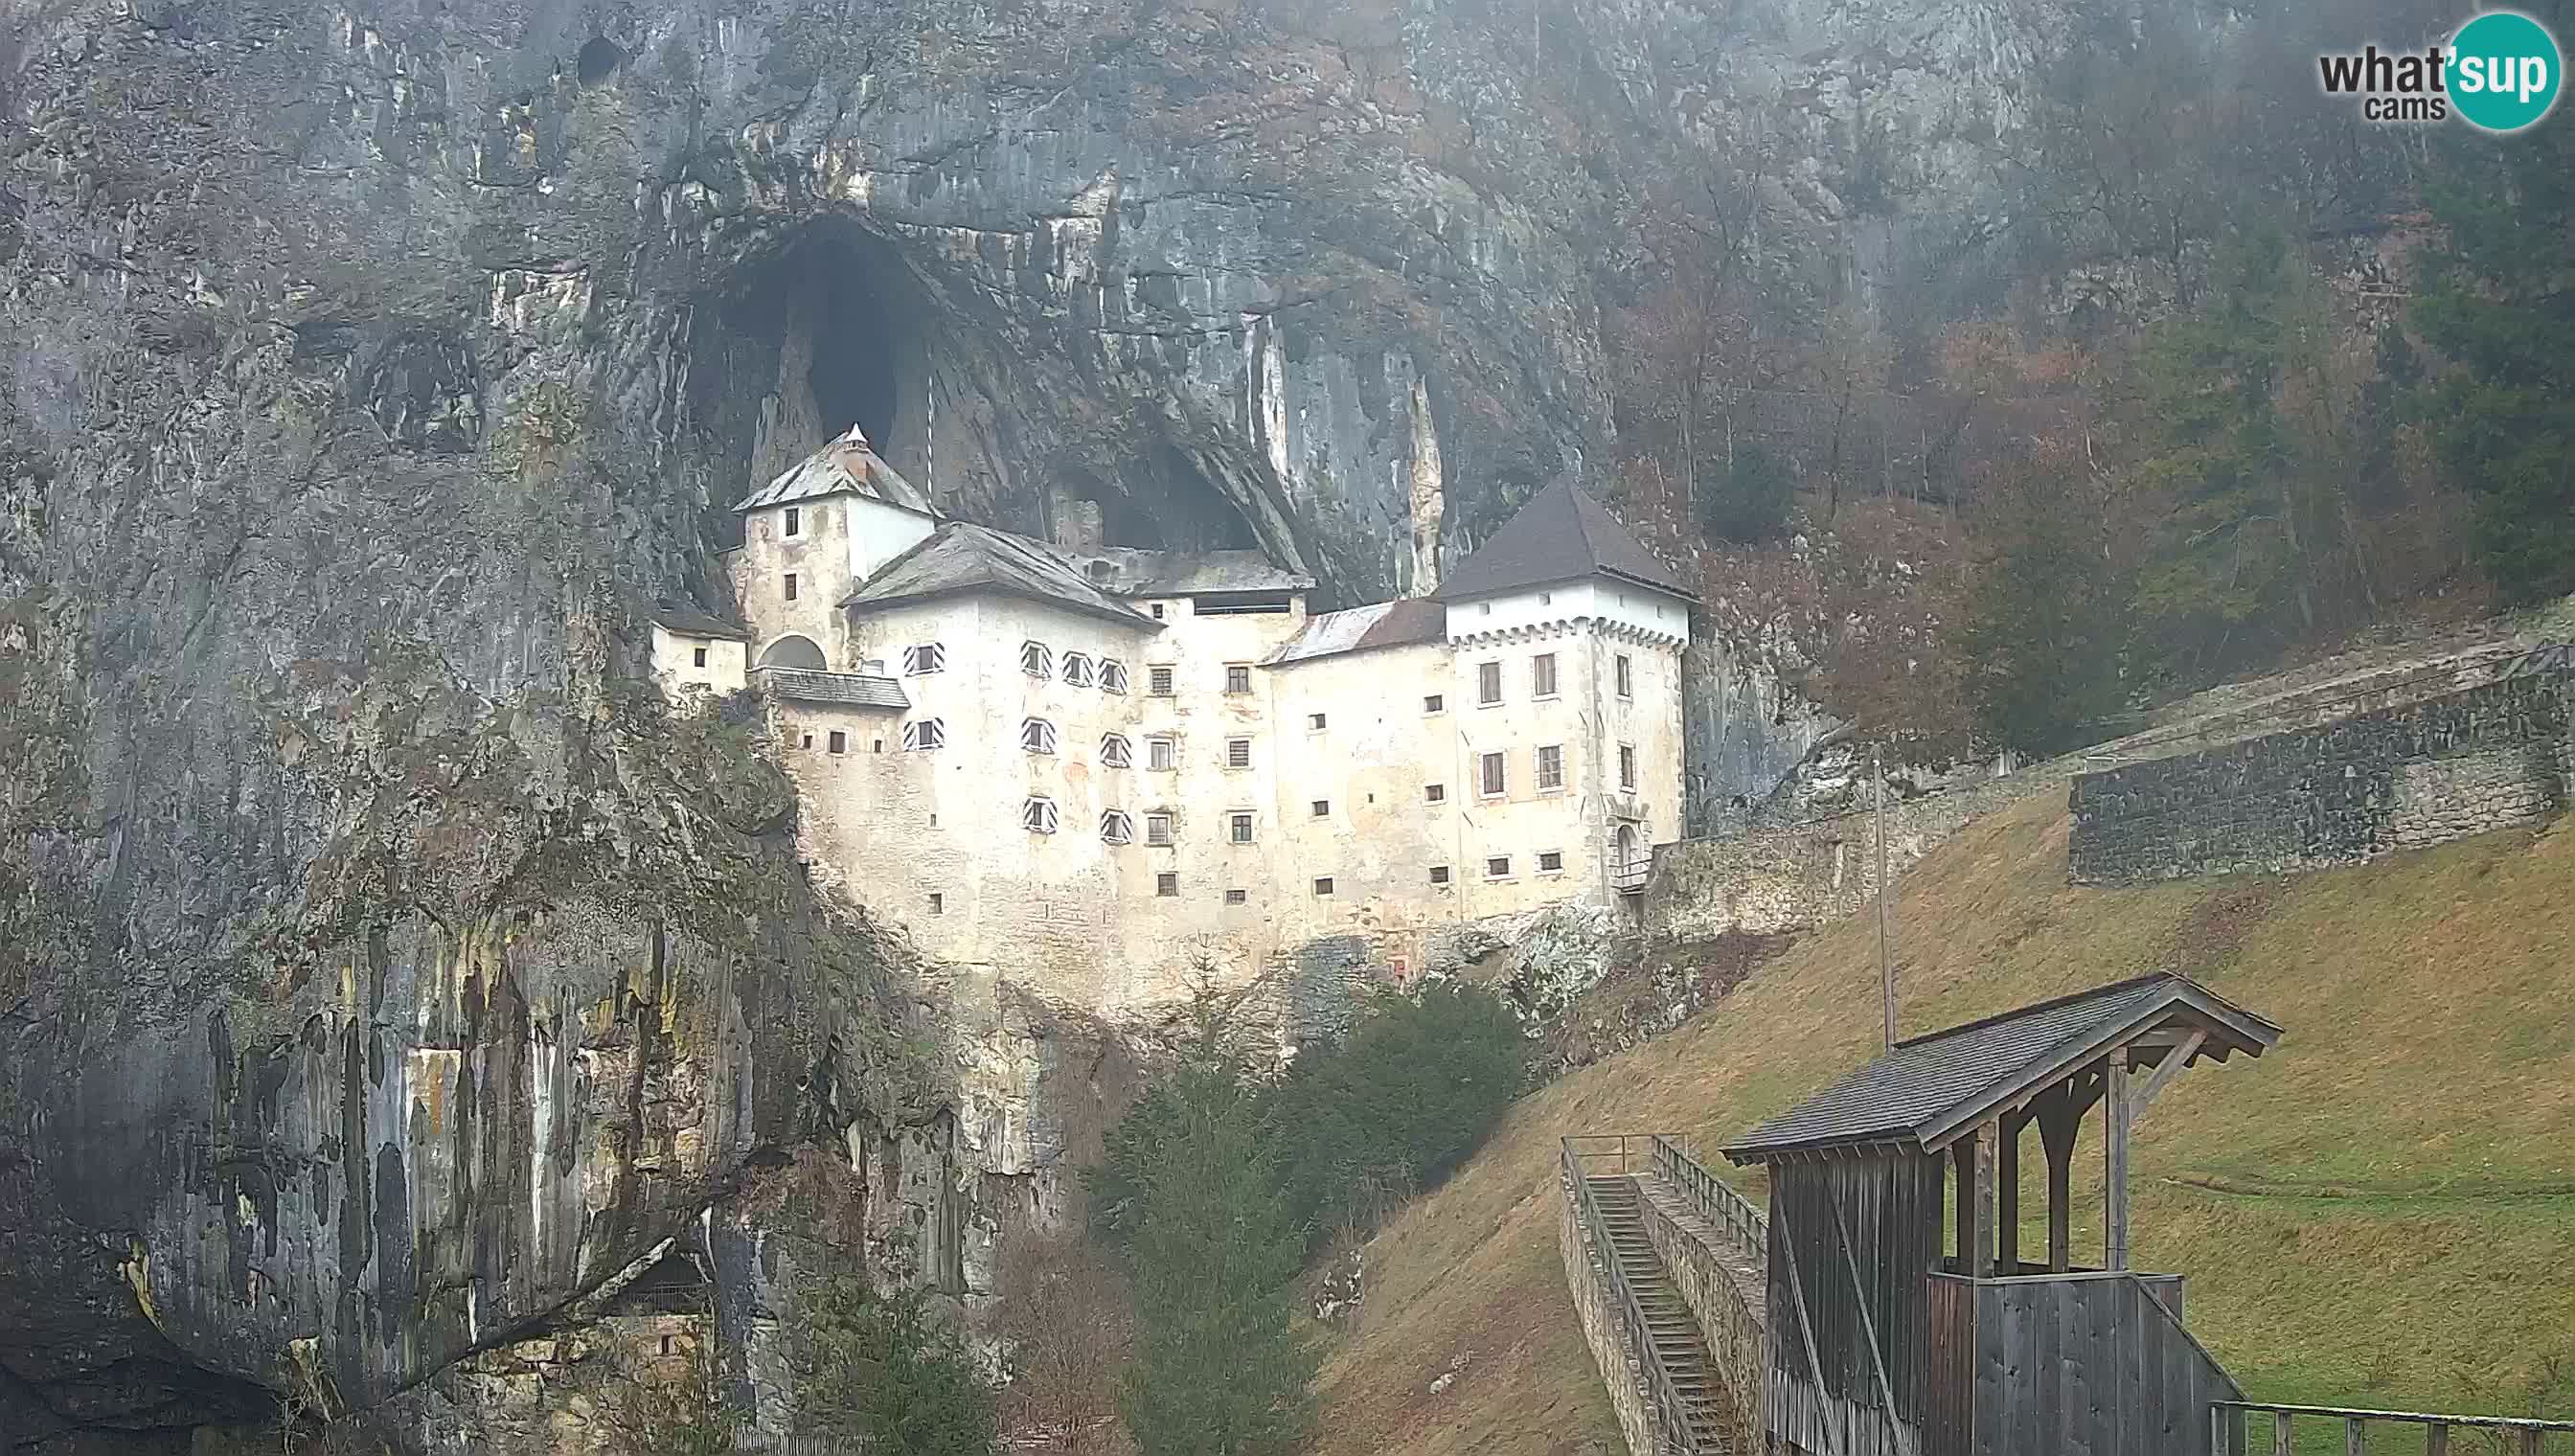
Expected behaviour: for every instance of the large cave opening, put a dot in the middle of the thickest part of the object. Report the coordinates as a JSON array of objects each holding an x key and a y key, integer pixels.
[
  {"x": 862, "y": 344},
  {"x": 826, "y": 330}
]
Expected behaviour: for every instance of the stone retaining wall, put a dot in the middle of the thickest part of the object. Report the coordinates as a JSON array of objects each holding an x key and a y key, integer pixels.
[
  {"x": 1586, "y": 1278},
  {"x": 2492, "y": 757},
  {"x": 1723, "y": 1287}
]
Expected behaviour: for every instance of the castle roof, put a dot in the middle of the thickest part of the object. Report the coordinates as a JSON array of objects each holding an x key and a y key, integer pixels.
[
  {"x": 1132, "y": 571},
  {"x": 961, "y": 557},
  {"x": 1363, "y": 628},
  {"x": 689, "y": 622},
  {"x": 1561, "y": 534},
  {"x": 848, "y": 465}
]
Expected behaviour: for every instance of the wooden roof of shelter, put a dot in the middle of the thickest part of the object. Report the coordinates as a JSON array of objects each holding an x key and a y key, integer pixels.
[{"x": 1932, "y": 1089}]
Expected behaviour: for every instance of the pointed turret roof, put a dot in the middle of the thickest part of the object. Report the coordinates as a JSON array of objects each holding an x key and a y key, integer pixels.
[
  {"x": 1561, "y": 534},
  {"x": 849, "y": 466}
]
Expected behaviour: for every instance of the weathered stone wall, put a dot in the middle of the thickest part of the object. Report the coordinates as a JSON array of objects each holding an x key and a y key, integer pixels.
[
  {"x": 2489, "y": 757},
  {"x": 1722, "y": 1285},
  {"x": 1595, "y": 1308}
]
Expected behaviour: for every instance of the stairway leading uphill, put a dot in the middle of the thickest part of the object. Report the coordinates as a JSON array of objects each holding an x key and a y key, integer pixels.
[{"x": 1669, "y": 1321}]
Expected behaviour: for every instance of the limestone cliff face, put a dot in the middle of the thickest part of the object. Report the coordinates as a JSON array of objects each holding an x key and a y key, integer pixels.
[{"x": 378, "y": 970}]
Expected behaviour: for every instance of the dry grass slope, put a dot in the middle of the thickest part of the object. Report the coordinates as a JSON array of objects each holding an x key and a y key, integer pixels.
[{"x": 2381, "y": 1212}]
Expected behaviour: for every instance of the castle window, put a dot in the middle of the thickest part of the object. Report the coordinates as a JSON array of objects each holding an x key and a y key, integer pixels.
[
  {"x": 1237, "y": 752},
  {"x": 1161, "y": 754},
  {"x": 1434, "y": 702},
  {"x": 1488, "y": 683},
  {"x": 1323, "y": 886},
  {"x": 1550, "y": 862},
  {"x": 1322, "y": 809},
  {"x": 1551, "y": 767},
  {"x": 1239, "y": 829},
  {"x": 1237, "y": 896},
  {"x": 1627, "y": 674},
  {"x": 1036, "y": 658},
  {"x": 1237, "y": 678},
  {"x": 1542, "y": 676},
  {"x": 1115, "y": 752},
  {"x": 923, "y": 658},
  {"x": 697, "y": 657},
  {"x": 1158, "y": 612},
  {"x": 1499, "y": 867},
  {"x": 1166, "y": 885},
  {"x": 791, "y": 585},
  {"x": 937, "y": 904},
  {"x": 1037, "y": 735},
  {"x": 1077, "y": 670},
  {"x": 1493, "y": 779},
  {"x": 1038, "y": 815},
  {"x": 1116, "y": 828},
  {"x": 1159, "y": 679},
  {"x": 1546, "y": 599},
  {"x": 1435, "y": 794},
  {"x": 1315, "y": 720},
  {"x": 1439, "y": 875},
  {"x": 840, "y": 742},
  {"x": 806, "y": 741},
  {"x": 1113, "y": 675},
  {"x": 1158, "y": 829},
  {"x": 922, "y": 734},
  {"x": 795, "y": 521},
  {"x": 1626, "y": 766}
]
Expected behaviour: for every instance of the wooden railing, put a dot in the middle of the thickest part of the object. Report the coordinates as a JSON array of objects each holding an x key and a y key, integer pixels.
[
  {"x": 1671, "y": 1412},
  {"x": 2229, "y": 1433},
  {"x": 1630, "y": 878},
  {"x": 1712, "y": 1196}
]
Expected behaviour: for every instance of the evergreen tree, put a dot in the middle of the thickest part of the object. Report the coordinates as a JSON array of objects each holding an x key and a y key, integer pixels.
[
  {"x": 1751, "y": 501},
  {"x": 2039, "y": 637},
  {"x": 880, "y": 1371},
  {"x": 2500, "y": 303},
  {"x": 1190, "y": 1189}
]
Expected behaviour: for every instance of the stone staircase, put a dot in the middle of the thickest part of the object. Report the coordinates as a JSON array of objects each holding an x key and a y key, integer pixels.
[{"x": 1678, "y": 1346}]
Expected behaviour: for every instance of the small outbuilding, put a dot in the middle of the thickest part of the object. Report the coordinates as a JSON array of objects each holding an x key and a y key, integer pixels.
[{"x": 1887, "y": 1338}]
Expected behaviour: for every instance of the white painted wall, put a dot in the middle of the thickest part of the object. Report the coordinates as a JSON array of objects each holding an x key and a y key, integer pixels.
[
  {"x": 878, "y": 533},
  {"x": 1609, "y": 601},
  {"x": 675, "y": 664}
]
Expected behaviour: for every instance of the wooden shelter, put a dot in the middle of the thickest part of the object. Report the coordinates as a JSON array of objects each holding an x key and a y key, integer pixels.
[{"x": 1883, "y": 1340}]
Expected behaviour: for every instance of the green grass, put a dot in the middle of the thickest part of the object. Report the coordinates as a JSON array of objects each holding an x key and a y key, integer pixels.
[{"x": 2380, "y": 1212}]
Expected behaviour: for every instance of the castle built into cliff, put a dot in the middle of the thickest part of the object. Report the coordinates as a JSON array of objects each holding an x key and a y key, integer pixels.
[{"x": 1091, "y": 771}]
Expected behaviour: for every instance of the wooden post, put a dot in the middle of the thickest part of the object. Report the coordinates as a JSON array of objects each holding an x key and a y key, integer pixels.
[
  {"x": 2355, "y": 1437},
  {"x": 2280, "y": 1442},
  {"x": 2436, "y": 1441},
  {"x": 1990, "y": 1137},
  {"x": 2059, "y": 1119},
  {"x": 2117, "y": 1110},
  {"x": 2008, "y": 1205},
  {"x": 1963, "y": 1155}
]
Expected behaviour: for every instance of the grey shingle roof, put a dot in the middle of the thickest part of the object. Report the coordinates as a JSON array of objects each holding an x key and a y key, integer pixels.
[
  {"x": 1930, "y": 1085},
  {"x": 1560, "y": 535},
  {"x": 848, "y": 465},
  {"x": 961, "y": 557},
  {"x": 689, "y": 622},
  {"x": 1383, "y": 624},
  {"x": 845, "y": 690}
]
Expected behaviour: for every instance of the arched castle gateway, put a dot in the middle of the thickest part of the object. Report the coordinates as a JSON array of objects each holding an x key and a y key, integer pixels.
[{"x": 1079, "y": 769}]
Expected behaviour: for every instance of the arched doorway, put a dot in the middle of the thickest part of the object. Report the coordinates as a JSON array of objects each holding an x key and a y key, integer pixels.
[
  {"x": 794, "y": 652},
  {"x": 1624, "y": 850}
]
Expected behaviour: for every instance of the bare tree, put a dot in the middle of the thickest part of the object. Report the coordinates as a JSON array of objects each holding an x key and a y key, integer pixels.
[{"x": 1069, "y": 1337}]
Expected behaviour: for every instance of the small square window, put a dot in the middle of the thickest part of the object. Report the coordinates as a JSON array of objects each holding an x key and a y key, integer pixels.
[
  {"x": 1077, "y": 670},
  {"x": 1237, "y": 752},
  {"x": 805, "y": 741},
  {"x": 1158, "y": 829},
  {"x": 924, "y": 734},
  {"x": 923, "y": 658},
  {"x": 1542, "y": 675},
  {"x": 1323, "y": 886},
  {"x": 1158, "y": 612},
  {"x": 1038, "y": 815},
  {"x": 697, "y": 657},
  {"x": 876, "y": 745},
  {"x": 1116, "y": 752},
  {"x": 791, "y": 585},
  {"x": 1237, "y": 678},
  {"x": 840, "y": 742},
  {"x": 1239, "y": 829},
  {"x": 1488, "y": 683},
  {"x": 1037, "y": 735},
  {"x": 1434, "y": 702},
  {"x": 937, "y": 904},
  {"x": 1113, "y": 675},
  {"x": 1550, "y": 862},
  {"x": 1499, "y": 867},
  {"x": 1166, "y": 885},
  {"x": 1435, "y": 794},
  {"x": 1627, "y": 674},
  {"x": 1162, "y": 754},
  {"x": 1036, "y": 660},
  {"x": 1159, "y": 681},
  {"x": 795, "y": 521},
  {"x": 1237, "y": 896},
  {"x": 1116, "y": 828},
  {"x": 670, "y": 1344},
  {"x": 1322, "y": 809},
  {"x": 1483, "y": 609},
  {"x": 1313, "y": 721},
  {"x": 1546, "y": 599},
  {"x": 1439, "y": 875}
]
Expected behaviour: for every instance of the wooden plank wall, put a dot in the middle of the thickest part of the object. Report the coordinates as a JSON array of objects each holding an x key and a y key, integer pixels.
[
  {"x": 2084, "y": 1366},
  {"x": 1863, "y": 1234}
]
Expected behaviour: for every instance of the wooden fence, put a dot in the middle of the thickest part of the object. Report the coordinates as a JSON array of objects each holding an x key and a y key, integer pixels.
[{"x": 2238, "y": 1424}]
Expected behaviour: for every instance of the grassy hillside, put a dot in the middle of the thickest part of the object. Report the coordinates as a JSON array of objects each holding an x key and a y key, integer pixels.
[{"x": 2380, "y": 1212}]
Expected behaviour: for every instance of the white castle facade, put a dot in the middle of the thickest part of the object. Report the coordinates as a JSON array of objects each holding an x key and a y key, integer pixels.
[{"x": 1090, "y": 772}]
